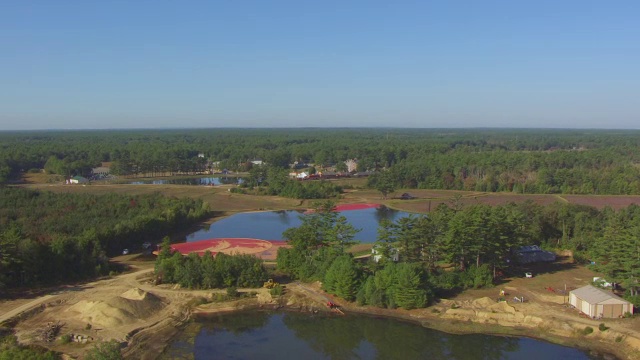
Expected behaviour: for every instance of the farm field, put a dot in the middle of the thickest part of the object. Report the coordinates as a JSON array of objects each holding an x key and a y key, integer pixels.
[{"x": 221, "y": 199}]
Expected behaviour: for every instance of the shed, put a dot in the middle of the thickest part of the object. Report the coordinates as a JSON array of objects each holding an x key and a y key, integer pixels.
[{"x": 598, "y": 303}]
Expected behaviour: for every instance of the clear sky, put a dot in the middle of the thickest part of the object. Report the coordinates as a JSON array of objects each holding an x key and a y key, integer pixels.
[{"x": 267, "y": 63}]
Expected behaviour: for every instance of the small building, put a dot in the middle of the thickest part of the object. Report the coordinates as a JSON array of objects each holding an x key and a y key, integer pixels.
[
  {"x": 77, "y": 180},
  {"x": 303, "y": 175},
  {"x": 101, "y": 170},
  {"x": 533, "y": 254},
  {"x": 597, "y": 303}
]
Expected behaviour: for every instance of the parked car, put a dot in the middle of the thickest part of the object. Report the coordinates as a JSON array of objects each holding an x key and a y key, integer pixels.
[{"x": 125, "y": 252}]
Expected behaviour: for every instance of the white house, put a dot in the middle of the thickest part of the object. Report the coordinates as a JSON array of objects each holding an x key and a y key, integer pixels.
[
  {"x": 598, "y": 303},
  {"x": 377, "y": 256}
]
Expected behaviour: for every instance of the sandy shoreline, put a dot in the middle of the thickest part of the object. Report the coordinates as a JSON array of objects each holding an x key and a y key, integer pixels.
[
  {"x": 147, "y": 336},
  {"x": 483, "y": 317}
]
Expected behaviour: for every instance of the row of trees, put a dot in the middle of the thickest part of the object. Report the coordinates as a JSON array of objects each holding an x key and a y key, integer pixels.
[
  {"x": 523, "y": 161},
  {"x": 477, "y": 239},
  {"x": 209, "y": 272},
  {"x": 47, "y": 237},
  {"x": 276, "y": 181}
]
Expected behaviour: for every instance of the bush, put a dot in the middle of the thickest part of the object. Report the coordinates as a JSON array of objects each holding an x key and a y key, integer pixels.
[
  {"x": 65, "y": 339},
  {"x": 619, "y": 338},
  {"x": 87, "y": 327},
  {"x": 276, "y": 290},
  {"x": 602, "y": 327},
  {"x": 197, "y": 301},
  {"x": 587, "y": 330},
  {"x": 105, "y": 351},
  {"x": 232, "y": 292}
]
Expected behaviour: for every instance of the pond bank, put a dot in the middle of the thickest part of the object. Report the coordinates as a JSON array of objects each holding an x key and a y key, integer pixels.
[{"x": 482, "y": 316}]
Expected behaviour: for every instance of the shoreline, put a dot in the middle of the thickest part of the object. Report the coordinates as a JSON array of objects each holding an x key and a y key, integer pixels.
[{"x": 599, "y": 343}]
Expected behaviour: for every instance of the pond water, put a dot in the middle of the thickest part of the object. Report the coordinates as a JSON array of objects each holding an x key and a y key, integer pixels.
[
  {"x": 214, "y": 180},
  {"x": 265, "y": 335},
  {"x": 269, "y": 225}
]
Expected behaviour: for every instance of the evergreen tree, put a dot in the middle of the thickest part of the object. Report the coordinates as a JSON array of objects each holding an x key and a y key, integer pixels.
[{"x": 342, "y": 278}]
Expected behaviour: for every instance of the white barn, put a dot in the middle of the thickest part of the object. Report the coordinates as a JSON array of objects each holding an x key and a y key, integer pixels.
[{"x": 598, "y": 303}]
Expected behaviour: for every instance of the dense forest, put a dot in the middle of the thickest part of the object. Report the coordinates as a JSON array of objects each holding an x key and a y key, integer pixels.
[
  {"x": 522, "y": 161},
  {"x": 47, "y": 237},
  {"x": 478, "y": 241}
]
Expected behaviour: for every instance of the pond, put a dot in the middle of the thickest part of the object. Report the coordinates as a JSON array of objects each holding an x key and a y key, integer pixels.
[
  {"x": 214, "y": 180},
  {"x": 269, "y": 225},
  {"x": 269, "y": 335}
]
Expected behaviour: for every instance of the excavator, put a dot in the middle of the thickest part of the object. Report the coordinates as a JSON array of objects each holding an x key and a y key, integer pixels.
[{"x": 270, "y": 284}]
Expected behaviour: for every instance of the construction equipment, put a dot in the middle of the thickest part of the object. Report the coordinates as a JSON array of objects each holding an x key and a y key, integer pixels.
[
  {"x": 335, "y": 308},
  {"x": 270, "y": 284}
]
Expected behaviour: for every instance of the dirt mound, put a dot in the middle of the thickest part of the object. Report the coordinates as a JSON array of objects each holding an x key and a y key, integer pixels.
[
  {"x": 135, "y": 294},
  {"x": 482, "y": 303},
  {"x": 127, "y": 308}
]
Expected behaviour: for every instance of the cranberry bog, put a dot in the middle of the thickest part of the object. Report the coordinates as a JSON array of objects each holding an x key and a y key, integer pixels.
[{"x": 263, "y": 249}]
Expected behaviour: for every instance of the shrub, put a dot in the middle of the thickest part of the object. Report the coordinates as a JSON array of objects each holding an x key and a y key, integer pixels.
[
  {"x": 199, "y": 300},
  {"x": 587, "y": 330},
  {"x": 65, "y": 339},
  {"x": 105, "y": 351},
  {"x": 88, "y": 327},
  {"x": 276, "y": 290},
  {"x": 619, "y": 338},
  {"x": 602, "y": 327},
  {"x": 232, "y": 292},
  {"x": 219, "y": 297}
]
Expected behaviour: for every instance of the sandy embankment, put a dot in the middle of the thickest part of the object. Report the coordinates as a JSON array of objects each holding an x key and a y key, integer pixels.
[
  {"x": 482, "y": 315},
  {"x": 147, "y": 317}
]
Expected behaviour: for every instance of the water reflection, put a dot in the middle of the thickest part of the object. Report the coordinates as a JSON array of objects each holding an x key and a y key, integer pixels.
[
  {"x": 222, "y": 180},
  {"x": 261, "y": 335},
  {"x": 270, "y": 225}
]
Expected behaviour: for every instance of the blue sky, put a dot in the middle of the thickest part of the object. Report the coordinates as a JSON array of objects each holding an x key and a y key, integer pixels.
[{"x": 148, "y": 64}]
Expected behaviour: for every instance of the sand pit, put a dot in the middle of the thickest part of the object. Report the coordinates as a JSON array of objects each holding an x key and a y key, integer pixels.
[{"x": 131, "y": 306}]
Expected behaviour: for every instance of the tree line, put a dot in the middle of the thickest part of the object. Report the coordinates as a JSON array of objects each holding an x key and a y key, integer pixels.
[
  {"x": 476, "y": 241},
  {"x": 208, "y": 271},
  {"x": 47, "y": 237},
  {"x": 521, "y": 161}
]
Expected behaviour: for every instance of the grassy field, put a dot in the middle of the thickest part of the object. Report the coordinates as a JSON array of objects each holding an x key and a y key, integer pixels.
[{"x": 220, "y": 199}]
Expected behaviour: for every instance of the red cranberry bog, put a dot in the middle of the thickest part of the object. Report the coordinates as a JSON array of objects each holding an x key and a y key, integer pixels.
[{"x": 264, "y": 249}]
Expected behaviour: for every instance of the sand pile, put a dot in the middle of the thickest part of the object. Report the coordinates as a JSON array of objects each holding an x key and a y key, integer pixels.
[
  {"x": 127, "y": 308},
  {"x": 482, "y": 303}
]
